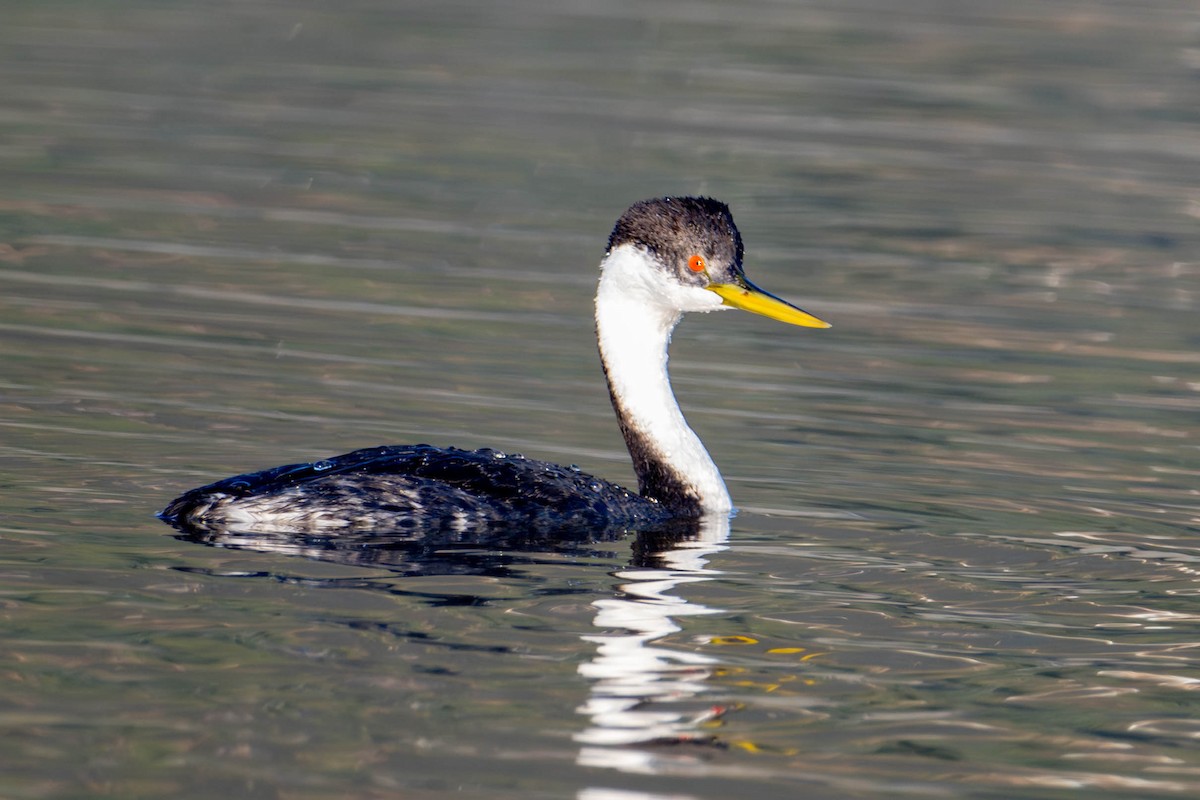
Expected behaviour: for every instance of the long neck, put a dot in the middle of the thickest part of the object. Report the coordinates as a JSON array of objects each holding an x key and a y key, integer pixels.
[{"x": 633, "y": 331}]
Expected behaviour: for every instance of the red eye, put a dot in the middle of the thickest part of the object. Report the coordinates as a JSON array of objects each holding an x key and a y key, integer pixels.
[{"x": 696, "y": 264}]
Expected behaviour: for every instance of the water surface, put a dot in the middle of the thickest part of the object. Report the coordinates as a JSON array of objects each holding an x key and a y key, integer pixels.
[{"x": 239, "y": 235}]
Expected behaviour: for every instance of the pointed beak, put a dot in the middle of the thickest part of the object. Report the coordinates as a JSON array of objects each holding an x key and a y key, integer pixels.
[{"x": 743, "y": 294}]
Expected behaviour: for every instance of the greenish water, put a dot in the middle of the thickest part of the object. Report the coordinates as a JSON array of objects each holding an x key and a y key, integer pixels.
[{"x": 234, "y": 235}]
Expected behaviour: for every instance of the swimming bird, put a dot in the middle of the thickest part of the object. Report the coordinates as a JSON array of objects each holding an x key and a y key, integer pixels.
[{"x": 665, "y": 256}]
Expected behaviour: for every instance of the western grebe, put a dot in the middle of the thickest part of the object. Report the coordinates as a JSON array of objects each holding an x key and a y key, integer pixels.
[{"x": 664, "y": 257}]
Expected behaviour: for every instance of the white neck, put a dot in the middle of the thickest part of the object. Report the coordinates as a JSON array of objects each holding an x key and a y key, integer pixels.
[{"x": 636, "y": 310}]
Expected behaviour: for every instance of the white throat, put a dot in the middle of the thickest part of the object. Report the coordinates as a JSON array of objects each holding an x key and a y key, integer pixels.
[{"x": 637, "y": 307}]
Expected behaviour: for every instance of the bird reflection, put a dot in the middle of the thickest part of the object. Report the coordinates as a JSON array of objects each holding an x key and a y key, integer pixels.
[{"x": 640, "y": 692}]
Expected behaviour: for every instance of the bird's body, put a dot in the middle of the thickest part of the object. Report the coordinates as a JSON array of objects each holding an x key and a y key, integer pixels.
[
  {"x": 410, "y": 487},
  {"x": 664, "y": 257}
]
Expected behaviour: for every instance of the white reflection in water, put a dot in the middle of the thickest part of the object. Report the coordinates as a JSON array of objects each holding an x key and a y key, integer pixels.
[
  {"x": 639, "y": 690},
  {"x": 627, "y": 794}
]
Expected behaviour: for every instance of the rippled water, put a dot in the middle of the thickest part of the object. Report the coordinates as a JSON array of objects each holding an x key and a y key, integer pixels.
[{"x": 234, "y": 235}]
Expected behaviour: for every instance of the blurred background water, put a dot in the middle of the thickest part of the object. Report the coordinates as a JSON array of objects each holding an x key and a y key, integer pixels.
[{"x": 238, "y": 234}]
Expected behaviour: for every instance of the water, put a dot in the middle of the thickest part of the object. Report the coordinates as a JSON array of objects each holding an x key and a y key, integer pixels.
[{"x": 238, "y": 235}]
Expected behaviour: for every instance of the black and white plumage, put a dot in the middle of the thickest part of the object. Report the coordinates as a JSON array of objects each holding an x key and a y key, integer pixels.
[
  {"x": 664, "y": 257},
  {"x": 410, "y": 487}
]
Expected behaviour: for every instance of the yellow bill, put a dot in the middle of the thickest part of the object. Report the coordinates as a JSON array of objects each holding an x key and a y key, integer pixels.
[{"x": 745, "y": 295}]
